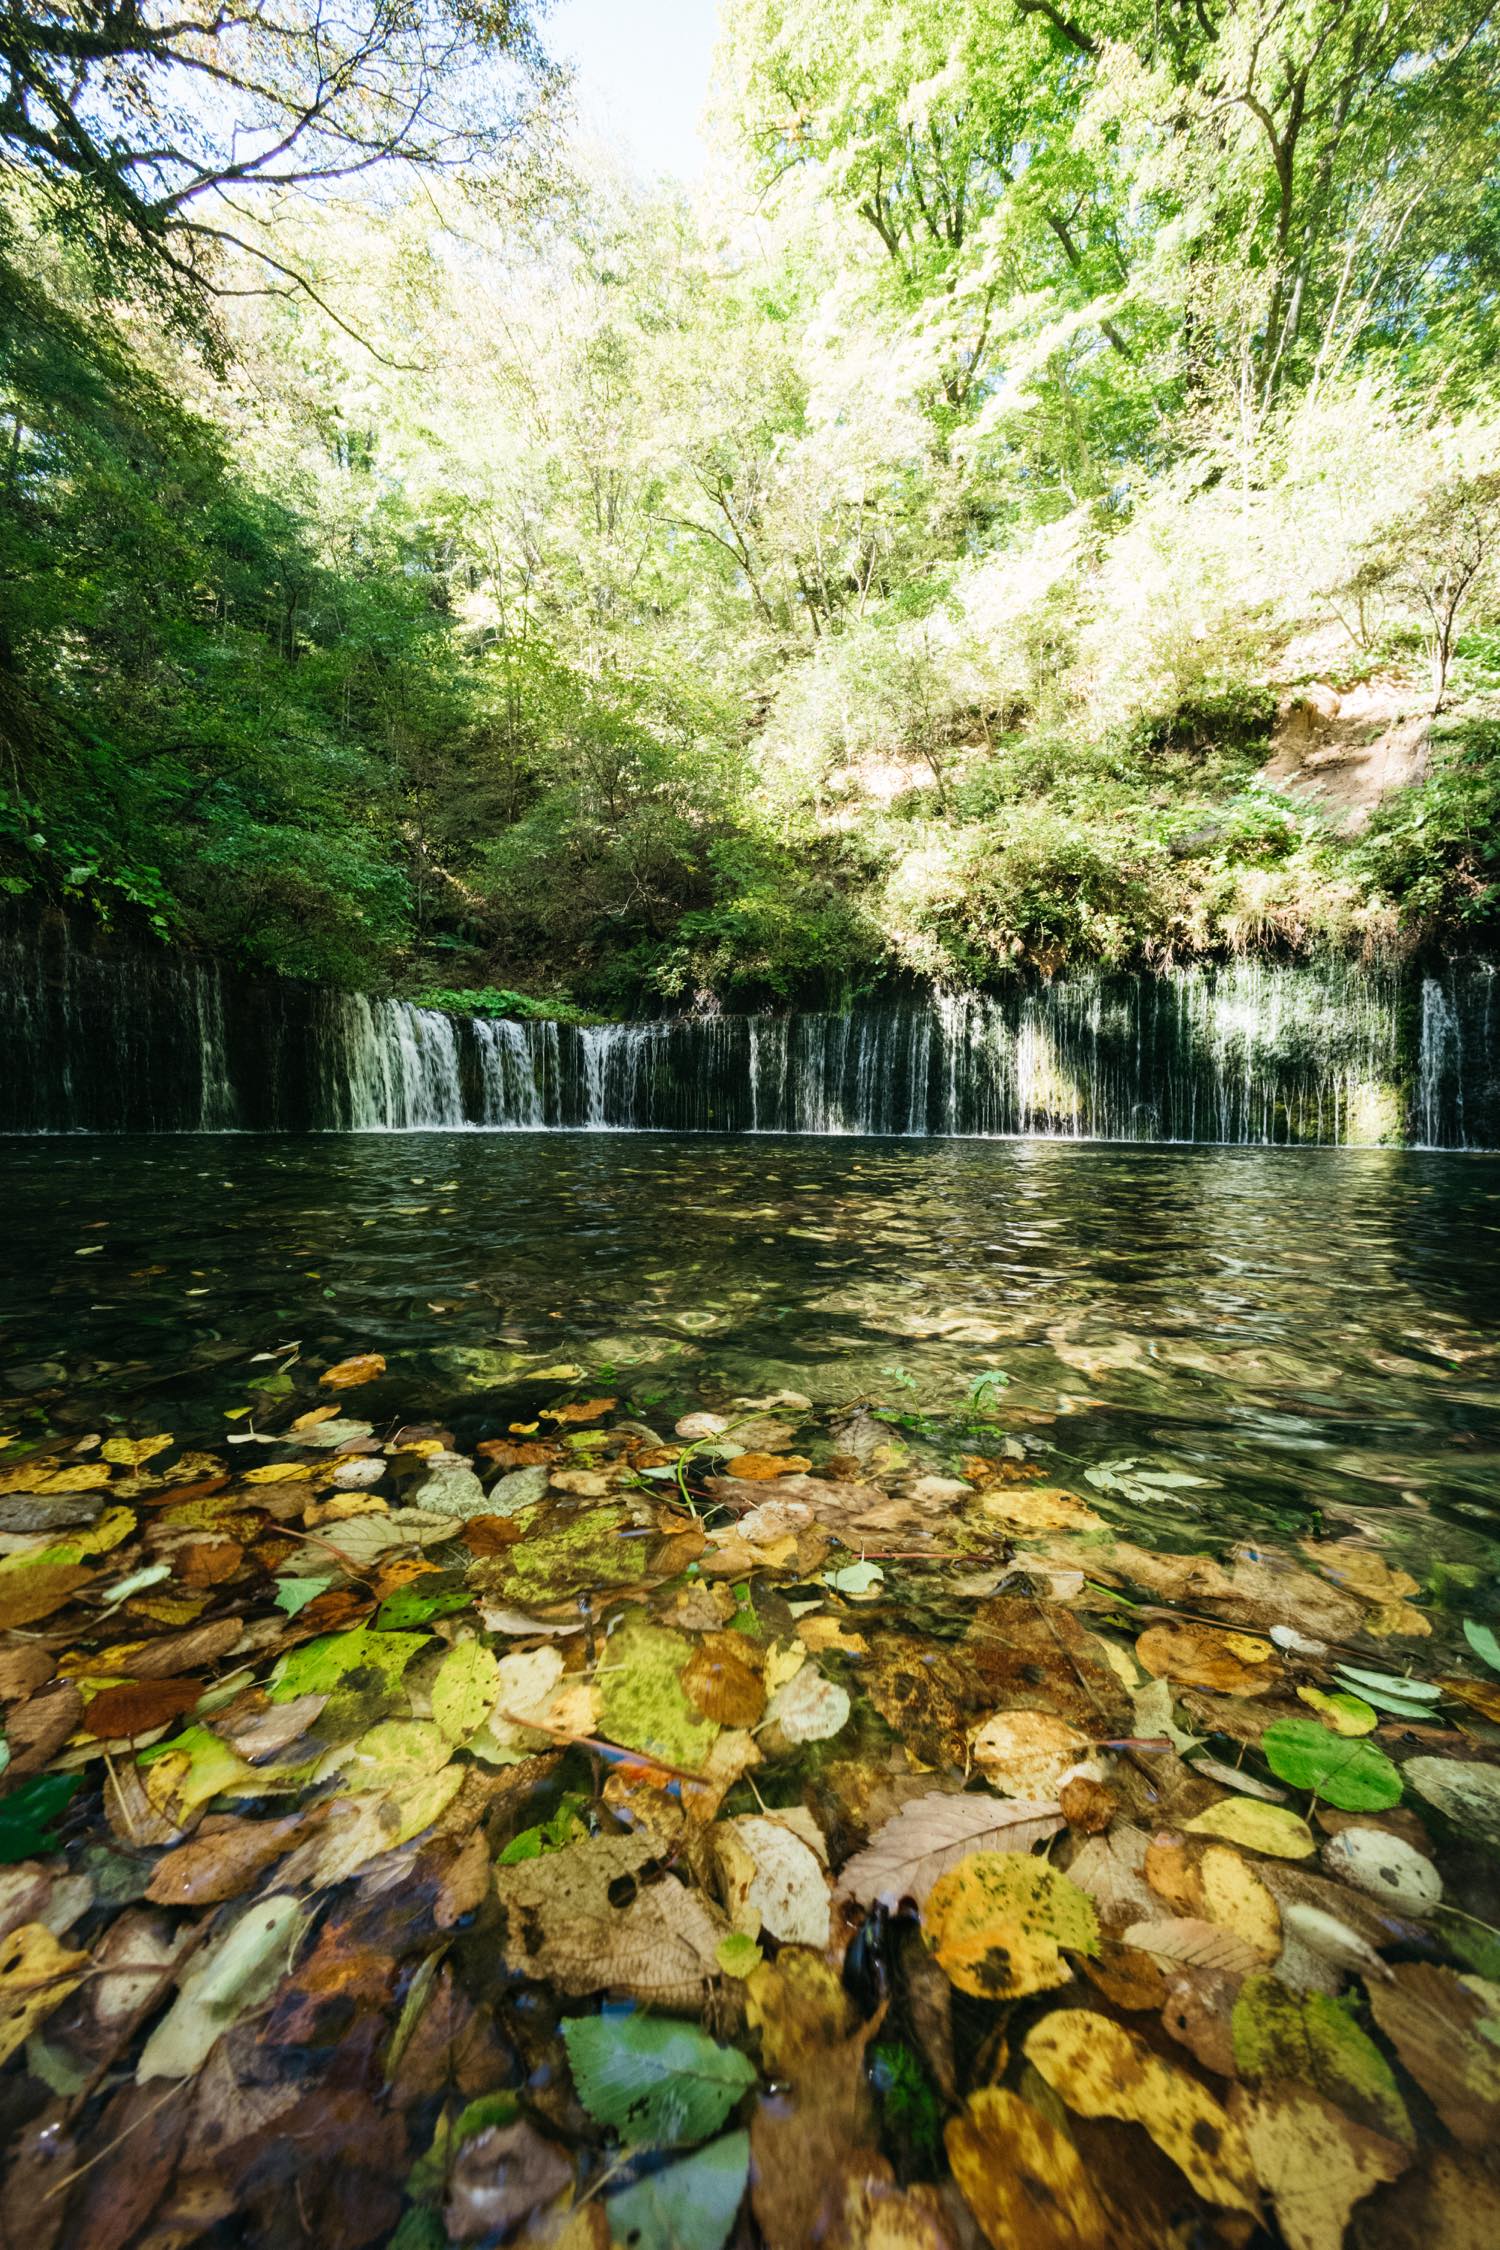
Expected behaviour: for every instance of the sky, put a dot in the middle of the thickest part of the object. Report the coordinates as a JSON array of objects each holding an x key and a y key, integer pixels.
[{"x": 642, "y": 74}]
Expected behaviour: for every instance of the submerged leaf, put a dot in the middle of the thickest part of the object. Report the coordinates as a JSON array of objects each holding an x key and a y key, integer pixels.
[
  {"x": 688, "y": 2206},
  {"x": 1273, "y": 1829},
  {"x": 1314, "y": 2041},
  {"x": 933, "y": 1833},
  {"x": 1102, "y": 2070},
  {"x": 660, "y": 2084},
  {"x": 1023, "y": 2179},
  {"x": 36, "y": 1976},
  {"x": 998, "y": 1920},
  {"x": 1354, "y": 1774}
]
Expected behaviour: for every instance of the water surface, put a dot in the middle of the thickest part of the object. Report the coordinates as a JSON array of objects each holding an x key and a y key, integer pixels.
[{"x": 1308, "y": 1333}]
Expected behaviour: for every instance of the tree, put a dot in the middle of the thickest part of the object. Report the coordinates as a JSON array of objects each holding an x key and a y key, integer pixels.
[
  {"x": 150, "y": 121},
  {"x": 1439, "y": 559}
]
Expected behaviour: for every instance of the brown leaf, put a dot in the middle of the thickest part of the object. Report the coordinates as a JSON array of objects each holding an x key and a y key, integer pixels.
[
  {"x": 1087, "y": 1806},
  {"x": 38, "y": 1728},
  {"x": 500, "y": 2177},
  {"x": 1452, "y": 2203},
  {"x": 23, "y": 1669},
  {"x": 580, "y": 1410},
  {"x": 723, "y": 1680},
  {"x": 137, "y": 2137},
  {"x": 138, "y": 1707},
  {"x": 583, "y": 1919},
  {"x": 1198, "y": 2013},
  {"x": 1131, "y": 1980},
  {"x": 933, "y": 1833},
  {"x": 759, "y": 1468},
  {"x": 176, "y": 1653},
  {"x": 208, "y": 1562},
  {"x": 224, "y": 1864},
  {"x": 1449, "y": 2040},
  {"x": 1190, "y": 1656}
]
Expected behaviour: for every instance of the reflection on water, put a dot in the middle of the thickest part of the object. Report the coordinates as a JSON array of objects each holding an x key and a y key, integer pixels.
[{"x": 1297, "y": 1331}]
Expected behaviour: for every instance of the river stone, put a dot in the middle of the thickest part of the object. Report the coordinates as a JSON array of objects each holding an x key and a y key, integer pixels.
[
  {"x": 49, "y": 1511},
  {"x": 450, "y": 1488},
  {"x": 359, "y": 1472},
  {"x": 522, "y": 1488}
]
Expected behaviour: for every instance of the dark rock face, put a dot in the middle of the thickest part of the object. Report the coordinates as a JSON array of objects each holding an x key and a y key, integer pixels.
[{"x": 96, "y": 1038}]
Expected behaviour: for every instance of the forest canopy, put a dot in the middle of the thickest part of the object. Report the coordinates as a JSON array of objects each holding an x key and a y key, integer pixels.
[{"x": 1037, "y": 502}]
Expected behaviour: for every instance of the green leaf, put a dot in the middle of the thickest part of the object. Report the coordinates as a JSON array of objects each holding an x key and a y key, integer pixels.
[
  {"x": 327, "y": 1663},
  {"x": 1315, "y": 2040},
  {"x": 642, "y": 1702},
  {"x": 660, "y": 2083},
  {"x": 1400, "y": 1706},
  {"x": 1483, "y": 1642},
  {"x": 27, "y": 1814},
  {"x": 1394, "y": 1683},
  {"x": 435, "y": 1594},
  {"x": 294, "y": 1594},
  {"x": 690, "y": 2206},
  {"x": 464, "y": 1692},
  {"x": 1348, "y": 1771}
]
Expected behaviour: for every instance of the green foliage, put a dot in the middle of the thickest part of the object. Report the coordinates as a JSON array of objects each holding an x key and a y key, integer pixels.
[
  {"x": 492, "y": 1000},
  {"x": 626, "y": 608},
  {"x": 1434, "y": 848}
]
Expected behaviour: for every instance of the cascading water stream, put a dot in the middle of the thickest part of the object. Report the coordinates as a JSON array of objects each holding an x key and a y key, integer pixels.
[{"x": 1248, "y": 1052}]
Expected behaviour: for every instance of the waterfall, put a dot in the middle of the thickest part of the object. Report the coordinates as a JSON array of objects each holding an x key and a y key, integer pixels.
[{"x": 1246, "y": 1052}]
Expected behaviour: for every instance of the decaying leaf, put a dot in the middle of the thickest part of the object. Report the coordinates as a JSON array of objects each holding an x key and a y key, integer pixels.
[
  {"x": 998, "y": 1922},
  {"x": 1102, "y": 2070},
  {"x": 1026, "y": 1753},
  {"x": 773, "y": 1879},
  {"x": 1313, "y": 2162},
  {"x": 586, "y": 1920},
  {"x": 1021, "y": 2177},
  {"x": 1446, "y": 2029},
  {"x": 36, "y": 1976},
  {"x": 1313, "y": 2040}
]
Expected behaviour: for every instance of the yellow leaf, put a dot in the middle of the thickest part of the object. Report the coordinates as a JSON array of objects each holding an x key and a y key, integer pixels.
[
  {"x": 89, "y": 1476},
  {"x": 1102, "y": 2070},
  {"x": 1248, "y": 1647},
  {"x": 113, "y": 1526},
  {"x": 349, "y": 1373},
  {"x": 998, "y": 1920},
  {"x": 36, "y": 1976},
  {"x": 1273, "y": 1829},
  {"x": 1346, "y": 1714},
  {"x": 130, "y": 1452},
  {"x": 281, "y": 1472},
  {"x": 1022, "y": 2178},
  {"x": 1397, "y": 1620},
  {"x": 1235, "y": 1897}
]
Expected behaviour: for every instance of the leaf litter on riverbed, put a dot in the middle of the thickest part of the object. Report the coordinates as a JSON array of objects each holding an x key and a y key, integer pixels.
[{"x": 769, "y": 1827}]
